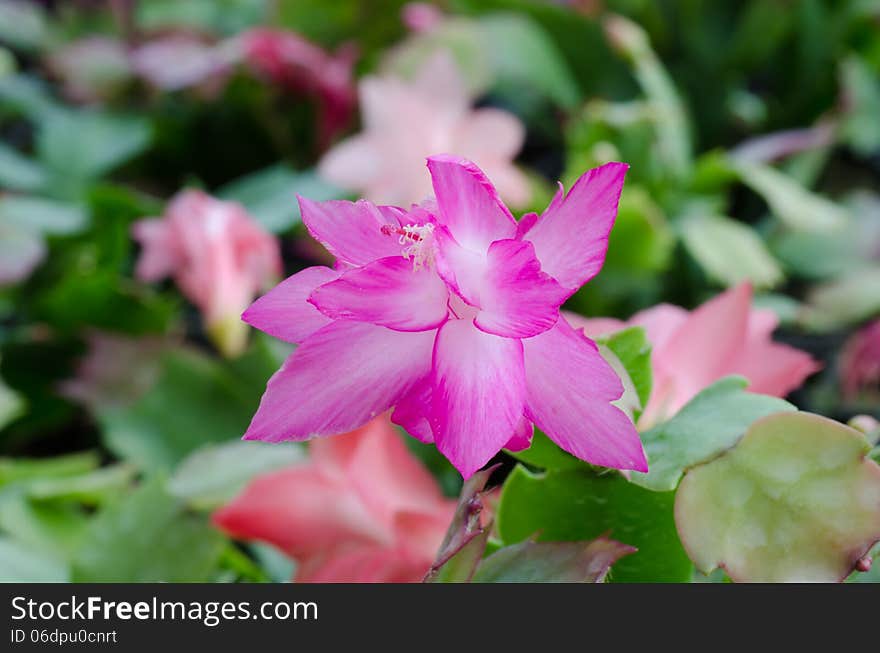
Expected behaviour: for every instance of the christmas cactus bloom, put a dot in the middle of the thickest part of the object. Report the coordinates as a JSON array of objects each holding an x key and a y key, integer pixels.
[
  {"x": 405, "y": 121},
  {"x": 449, "y": 313},
  {"x": 362, "y": 510},
  {"x": 217, "y": 254},
  {"x": 860, "y": 362},
  {"x": 292, "y": 62},
  {"x": 691, "y": 350}
]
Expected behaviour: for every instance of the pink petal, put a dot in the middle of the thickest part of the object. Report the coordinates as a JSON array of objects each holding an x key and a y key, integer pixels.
[
  {"x": 388, "y": 292},
  {"x": 517, "y": 299},
  {"x": 355, "y": 162},
  {"x": 706, "y": 346},
  {"x": 660, "y": 322},
  {"x": 340, "y": 378},
  {"x": 522, "y": 438},
  {"x": 284, "y": 311},
  {"x": 469, "y": 205},
  {"x": 412, "y": 413},
  {"x": 569, "y": 390},
  {"x": 571, "y": 237},
  {"x": 364, "y": 565},
  {"x": 478, "y": 391},
  {"x": 299, "y": 510},
  {"x": 388, "y": 478},
  {"x": 491, "y": 134},
  {"x": 351, "y": 231},
  {"x": 158, "y": 253}
]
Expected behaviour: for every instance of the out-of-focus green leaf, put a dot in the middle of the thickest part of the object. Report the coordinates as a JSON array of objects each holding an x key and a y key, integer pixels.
[
  {"x": 42, "y": 215},
  {"x": 18, "y": 172},
  {"x": 668, "y": 111},
  {"x": 77, "y": 146},
  {"x": 11, "y": 406},
  {"x": 711, "y": 422},
  {"x": 214, "y": 474},
  {"x": 26, "y": 95},
  {"x": 860, "y": 128},
  {"x": 19, "y": 563},
  {"x": 196, "y": 401},
  {"x": 544, "y": 453},
  {"x": 730, "y": 252},
  {"x": 577, "y": 505},
  {"x": 224, "y": 16},
  {"x": 844, "y": 301},
  {"x": 552, "y": 562},
  {"x": 269, "y": 195},
  {"x": 19, "y": 469},
  {"x": 23, "y": 25},
  {"x": 795, "y": 500},
  {"x": 91, "y": 488},
  {"x": 793, "y": 204},
  {"x": 522, "y": 54},
  {"x": 52, "y": 527},
  {"x": 147, "y": 537}
]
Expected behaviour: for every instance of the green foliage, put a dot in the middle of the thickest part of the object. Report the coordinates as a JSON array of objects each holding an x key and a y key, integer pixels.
[
  {"x": 710, "y": 423},
  {"x": 578, "y": 505},
  {"x": 141, "y": 538},
  {"x": 795, "y": 500}
]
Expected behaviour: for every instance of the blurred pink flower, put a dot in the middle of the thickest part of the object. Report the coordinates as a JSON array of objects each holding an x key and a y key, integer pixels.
[
  {"x": 860, "y": 361},
  {"x": 301, "y": 66},
  {"x": 406, "y": 121},
  {"x": 362, "y": 510},
  {"x": 450, "y": 314},
  {"x": 115, "y": 371},
  {"x": 182, "y": 60},
  {"x": 219, "y": 257},
  {"x": 421, "y": 16},
  {"x": 691, "y": 350},
  {"x": 91, "y": 69}
]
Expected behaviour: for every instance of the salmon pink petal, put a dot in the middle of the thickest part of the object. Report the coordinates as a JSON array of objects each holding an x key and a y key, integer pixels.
[
  {"x": 365, "y": 565},
  {"x": 340, "y": 378},
  {"x": 158, "y": 257},
  {"x": 569, "y": 390},
  {"x": 706, "y": 346},
  {"x": 388, "y": 292},
  {"x": 284, "y": 311},
  {"x": 388, "y": 478},
  {"x": 299, "y": 510},
  {"x": 478, "y": 394},
  {"x": 571, "y": 237},
  {"x": 469, "y": 204},
  {"x": 351, "y": 231},
  {"x": 660, "y": 322}
]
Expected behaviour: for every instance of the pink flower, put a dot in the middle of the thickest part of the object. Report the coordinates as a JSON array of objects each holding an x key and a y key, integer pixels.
[
  {"x": 91, "y": 69},
  {"x": 691, "y": 350},
  {"x": 860, "y": 361},
  {"x": 116, "y": 370},
  {"x": 183, "y": 60},
  {"x": 362, "y": 510},
  {"x": 219, "y": 257},
  {"x": 449, "y": 313},
  {"x": 291, "y": 61},
  {"x": 404, "y": 122},
  {"x": 421, "y": 16}
]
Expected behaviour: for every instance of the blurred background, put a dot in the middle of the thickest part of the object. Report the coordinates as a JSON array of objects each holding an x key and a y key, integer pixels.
[{"x": 752, "y": 129}]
